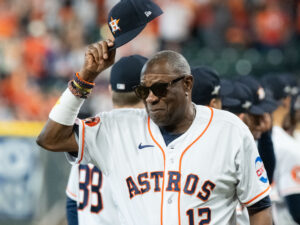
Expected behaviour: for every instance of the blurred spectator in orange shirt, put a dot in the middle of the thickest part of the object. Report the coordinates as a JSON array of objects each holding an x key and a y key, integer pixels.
[
  {"x": 8, "y": 20},
  {"x": 272, "y": 25}
]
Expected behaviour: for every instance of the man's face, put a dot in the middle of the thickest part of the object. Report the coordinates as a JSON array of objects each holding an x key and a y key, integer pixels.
[
  {"x": 255, "y": 124},
  {"x": 166, "y": 110}
]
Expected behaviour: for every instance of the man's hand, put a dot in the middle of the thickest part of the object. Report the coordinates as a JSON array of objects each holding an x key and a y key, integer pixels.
[{"x": 97, "y": 58}]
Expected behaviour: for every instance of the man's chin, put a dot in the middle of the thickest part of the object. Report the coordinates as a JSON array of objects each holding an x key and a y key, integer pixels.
[{"x": 158, "y": 119}]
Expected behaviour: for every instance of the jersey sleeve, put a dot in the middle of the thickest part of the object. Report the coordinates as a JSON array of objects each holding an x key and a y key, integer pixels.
[
  {"x": 93, "y": 142},
  {"x": 288, "y": 167},
  {"x": 73, "y": 184},
  {"x": 253, "y": 184}
]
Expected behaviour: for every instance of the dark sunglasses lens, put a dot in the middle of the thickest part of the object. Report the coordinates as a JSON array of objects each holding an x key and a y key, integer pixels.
[
  {"x": 159, "y": 89},
  {"x": 142, "y": 92}
]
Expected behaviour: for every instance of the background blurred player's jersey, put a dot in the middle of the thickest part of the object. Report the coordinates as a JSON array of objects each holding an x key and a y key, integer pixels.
[
  {"x": 286, "y": 175},
  {"x": 92, "y": 192},
  {"x": 214, "y": 164},
  {"x": 280, "y": 212}
]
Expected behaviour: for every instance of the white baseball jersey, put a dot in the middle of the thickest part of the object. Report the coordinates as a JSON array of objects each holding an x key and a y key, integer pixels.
[
  {"x": 286, "y": 174},
  {"x": 92, "y": 192},
  {"x": 242, "y": 216},
  {"x": 197, "y": 179}
]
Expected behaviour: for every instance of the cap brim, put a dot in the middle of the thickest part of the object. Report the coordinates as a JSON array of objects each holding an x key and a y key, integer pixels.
[
  {"x": 230, "y": 102},
  {"x": 265, "y": 106},
  {"x": 256, "y": 110},
  {"x": 126, "y": 37}
]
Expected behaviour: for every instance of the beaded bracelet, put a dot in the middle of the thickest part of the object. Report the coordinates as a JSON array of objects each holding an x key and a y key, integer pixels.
[
  {"x": 78, "y": 91},
  {"x": 83, "y": 83}
]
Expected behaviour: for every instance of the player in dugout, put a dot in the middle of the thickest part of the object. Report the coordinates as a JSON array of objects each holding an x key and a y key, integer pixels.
[{"x": 89, "y": 197}]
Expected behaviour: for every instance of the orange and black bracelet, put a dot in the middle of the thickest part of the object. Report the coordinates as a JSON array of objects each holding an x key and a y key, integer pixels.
[
  {"x": 79, "y": 91},
  {"x": 82, "y": 83},
  {"x": 80, "y": 87}
]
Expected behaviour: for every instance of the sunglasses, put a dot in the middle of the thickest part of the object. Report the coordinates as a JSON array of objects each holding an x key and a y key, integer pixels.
[{"x": 158, "y": 89}]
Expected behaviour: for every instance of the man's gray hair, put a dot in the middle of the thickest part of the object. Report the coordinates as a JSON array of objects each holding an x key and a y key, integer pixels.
[{"x": 176, "y": 62}]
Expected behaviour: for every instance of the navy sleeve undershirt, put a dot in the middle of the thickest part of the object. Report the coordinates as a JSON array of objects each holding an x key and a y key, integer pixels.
[
  {"x": 266, "y": 152},
  {"x": 293, "y": 203},
  {"x": 260, "y": 205},
  {"x": 71, "y": 208}
]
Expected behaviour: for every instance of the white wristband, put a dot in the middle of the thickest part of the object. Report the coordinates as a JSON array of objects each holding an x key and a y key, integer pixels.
[{"x": 66, "y": 109}]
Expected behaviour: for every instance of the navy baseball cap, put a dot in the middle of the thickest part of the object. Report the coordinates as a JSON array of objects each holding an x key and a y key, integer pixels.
[
  {"x": 129, "y": 17},
  {"x": 276, "y": 86},
  {"x": 126, "y": 73},
  {"x": 247, "y": 98},
  {"x": 227, "y": 88},
  {"x": 261, "y": 100},
  {"x": 206, "y": 85},
  {"x": 292, "y": 81}
]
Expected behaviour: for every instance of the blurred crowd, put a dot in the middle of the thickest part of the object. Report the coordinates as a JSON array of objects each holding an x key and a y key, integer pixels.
[{"x": 42, "y": 44}]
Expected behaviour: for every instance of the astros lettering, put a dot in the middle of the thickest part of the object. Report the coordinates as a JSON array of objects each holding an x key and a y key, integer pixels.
[{"x": 144, "y": 180}]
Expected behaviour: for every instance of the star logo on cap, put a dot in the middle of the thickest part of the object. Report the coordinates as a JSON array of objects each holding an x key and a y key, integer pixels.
[
  {"x": 216, "y": 90},
  {"x": 148, "y": 13},
  {"x": 287, "y": 89},
  {"x": 261, "y": 93},
  {"x": 114, "y": 24},
  {"x": 247, "y": 105}
]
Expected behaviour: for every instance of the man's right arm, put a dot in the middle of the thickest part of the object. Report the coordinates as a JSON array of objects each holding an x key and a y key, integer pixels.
[{"x": 56, "y": 136}]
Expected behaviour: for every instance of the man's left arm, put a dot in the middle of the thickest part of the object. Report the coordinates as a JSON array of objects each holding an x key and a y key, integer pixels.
[
  {"x": 253, "y": 187},
  {"x": 260, "y": 213},
  {"x": 263, "y": 217}
]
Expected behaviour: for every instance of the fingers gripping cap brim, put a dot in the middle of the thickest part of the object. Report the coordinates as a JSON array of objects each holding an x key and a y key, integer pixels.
[{"x": 127, "y": 37}]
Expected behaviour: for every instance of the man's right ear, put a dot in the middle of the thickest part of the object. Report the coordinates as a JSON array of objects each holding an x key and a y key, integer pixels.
[{"x": 110, "y": 89}]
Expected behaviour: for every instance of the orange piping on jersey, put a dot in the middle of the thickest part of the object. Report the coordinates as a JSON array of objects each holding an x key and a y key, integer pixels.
[
  {"x": 211, "y": 116},
  {"x": 163, "y": 183},
  {"x": 82, "y": 141},
  {"x": 246, "y": 203},
  {"x": 72, "y": 194}
]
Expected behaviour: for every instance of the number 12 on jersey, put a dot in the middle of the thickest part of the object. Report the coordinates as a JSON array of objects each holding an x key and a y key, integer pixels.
[
  {"x": 90, "y": 188},
  {"x": 204, "y": 213}
]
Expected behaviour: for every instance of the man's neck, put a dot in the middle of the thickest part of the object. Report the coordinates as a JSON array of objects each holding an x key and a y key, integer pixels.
[
  {"x": 279, "y": 115},
  {"x": 184, "y": 124}
]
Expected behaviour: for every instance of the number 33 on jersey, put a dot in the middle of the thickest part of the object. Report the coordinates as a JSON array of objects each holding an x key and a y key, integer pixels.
[{"x": 91, "y": 190}]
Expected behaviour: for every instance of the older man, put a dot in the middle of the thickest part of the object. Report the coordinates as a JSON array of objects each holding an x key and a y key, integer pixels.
[{"x": 175, "y": 163}]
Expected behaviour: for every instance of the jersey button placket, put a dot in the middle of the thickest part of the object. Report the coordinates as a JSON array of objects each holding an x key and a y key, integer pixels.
[{"x": 170, "y": 201}]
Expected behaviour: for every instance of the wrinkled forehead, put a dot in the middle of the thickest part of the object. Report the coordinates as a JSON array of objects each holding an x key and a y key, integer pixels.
[
  {"x": 150, "y": 79},
  {"x": 158, "y": 72}
]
